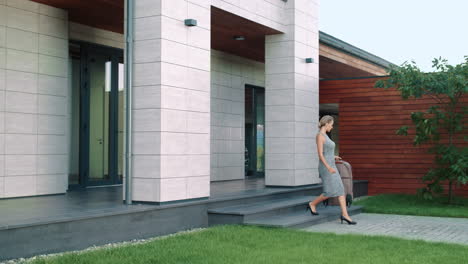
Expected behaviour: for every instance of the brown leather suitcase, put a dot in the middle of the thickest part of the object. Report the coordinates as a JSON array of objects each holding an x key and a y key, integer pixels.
[{"x": 345, "y": 170}]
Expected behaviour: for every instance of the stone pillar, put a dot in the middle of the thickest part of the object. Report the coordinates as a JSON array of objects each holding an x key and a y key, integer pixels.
[
  {"x": 292, "y": 103},
  {"x": 171, "y": 107}
]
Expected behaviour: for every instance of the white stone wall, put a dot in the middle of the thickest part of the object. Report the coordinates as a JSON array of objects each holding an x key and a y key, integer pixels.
[
  {"x": 291, "y": 98},
  {"x": 270, "y": 13},
  {"x": 171, "y": 111},
  {"x": 229, "y": 75},
  {"x": 96, "y": 35},
  {"x": 33, "y": 99},
  {"x": 172, "y": 90}
]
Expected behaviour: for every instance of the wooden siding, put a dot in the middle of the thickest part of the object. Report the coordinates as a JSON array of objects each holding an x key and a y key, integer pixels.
[{"x": 368, "y": 119}]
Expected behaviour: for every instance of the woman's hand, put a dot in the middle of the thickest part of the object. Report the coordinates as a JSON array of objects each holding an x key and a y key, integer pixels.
[
  {"x": 337, "y": 158},
  {"x": 331, "y": 170}
]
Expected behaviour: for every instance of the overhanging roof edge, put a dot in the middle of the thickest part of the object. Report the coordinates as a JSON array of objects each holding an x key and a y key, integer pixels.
[{"x": 336, "y": 43}]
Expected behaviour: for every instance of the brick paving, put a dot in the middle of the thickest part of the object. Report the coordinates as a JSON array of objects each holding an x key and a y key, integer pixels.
[{"x": 438, "y": 229}]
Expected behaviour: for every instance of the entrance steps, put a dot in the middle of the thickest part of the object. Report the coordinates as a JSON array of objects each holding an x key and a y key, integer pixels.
[{"x": 277, "y": 212}]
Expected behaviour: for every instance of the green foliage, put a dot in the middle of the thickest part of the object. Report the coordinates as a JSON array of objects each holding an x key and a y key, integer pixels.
[
  {"x": 446, "y": 85},
  {"x": 402, "y": 131}
]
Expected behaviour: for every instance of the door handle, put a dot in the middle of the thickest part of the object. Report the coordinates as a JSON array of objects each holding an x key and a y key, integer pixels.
[{"x": 100, "y": 141}]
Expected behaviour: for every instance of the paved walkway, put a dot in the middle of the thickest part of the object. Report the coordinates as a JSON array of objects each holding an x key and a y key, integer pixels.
[{"x": 441, "y": 229}]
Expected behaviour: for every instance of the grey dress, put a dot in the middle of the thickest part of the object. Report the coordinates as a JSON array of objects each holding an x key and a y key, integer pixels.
[{"x": 332, "y": 184}]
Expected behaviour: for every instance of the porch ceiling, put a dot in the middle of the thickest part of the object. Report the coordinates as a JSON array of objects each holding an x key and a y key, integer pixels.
[
  {"x": 225, "y": 25},
  {"x": 109, "y": 15},
  {"x": 103, "y": 14}
]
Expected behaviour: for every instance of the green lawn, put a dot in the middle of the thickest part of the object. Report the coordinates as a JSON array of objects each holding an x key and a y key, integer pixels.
[
  {"x": 406, "y": 204},
  {"x": 244, "y": 244}
]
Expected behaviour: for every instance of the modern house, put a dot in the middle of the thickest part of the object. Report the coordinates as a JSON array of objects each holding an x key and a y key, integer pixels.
[
  {"x": 166, "y": 98},
  {"x": 243, "y": 79}
]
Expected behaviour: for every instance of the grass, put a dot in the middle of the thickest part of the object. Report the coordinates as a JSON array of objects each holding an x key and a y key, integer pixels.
[
  {"x": 405, "y": 204},
  {"x": 248, "y": 244}
]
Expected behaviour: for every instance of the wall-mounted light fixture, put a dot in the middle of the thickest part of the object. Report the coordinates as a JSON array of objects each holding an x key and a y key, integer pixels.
[
  {"x": 190, "y": 22},
  {"x": 309, "y": 60},
  {"x": 239, "y": 37},
  {"x": 121, "y": 76},
  {"x": 108, "y": 77}
]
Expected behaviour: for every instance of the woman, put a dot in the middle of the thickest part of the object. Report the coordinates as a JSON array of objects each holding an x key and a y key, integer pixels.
[{"x": 331, "y": 179}]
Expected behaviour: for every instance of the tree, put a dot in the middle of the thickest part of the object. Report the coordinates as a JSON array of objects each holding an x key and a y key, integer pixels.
[{"x": 443, "y": 125}]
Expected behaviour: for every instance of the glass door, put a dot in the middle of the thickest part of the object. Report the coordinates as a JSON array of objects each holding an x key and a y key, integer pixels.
[
  {"x": 254, "y": 131},
  {"x": 99, "y": 118},
  {"x": 100, "y": 115}
]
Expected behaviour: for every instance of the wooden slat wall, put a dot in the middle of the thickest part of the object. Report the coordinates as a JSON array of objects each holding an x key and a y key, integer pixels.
[{"x": 369, "y": 118}]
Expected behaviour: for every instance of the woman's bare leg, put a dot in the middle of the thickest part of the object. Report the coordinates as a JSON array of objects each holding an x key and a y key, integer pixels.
[
  {"x": 317, "y": 200},
  {"x": 344, "y": 211}
]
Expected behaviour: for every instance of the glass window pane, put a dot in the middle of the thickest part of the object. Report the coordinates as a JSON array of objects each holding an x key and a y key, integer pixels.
[
  {"x": 260, "y": 112},
  {"x": 99, "y": 119}
]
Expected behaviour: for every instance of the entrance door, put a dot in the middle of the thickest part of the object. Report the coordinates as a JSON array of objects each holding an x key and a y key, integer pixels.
[
  {"x": 99, "y": 134},
  {"x": 100, "y": 110},
  {"x": 254, "y": 131}
]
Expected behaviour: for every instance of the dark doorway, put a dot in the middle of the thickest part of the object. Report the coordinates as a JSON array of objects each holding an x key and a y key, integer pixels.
[
  {"x": 254, "y": 131},
  {"x": 97, "y": 111}
]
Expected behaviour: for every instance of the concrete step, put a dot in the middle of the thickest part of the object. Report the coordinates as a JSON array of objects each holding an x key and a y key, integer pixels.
[
  {"x": 281, "y": 207},
  {"x": 300, "y": 219},
  {"x": 264, "y": 208},
  {"x": 241, "y": 212},
  {"x": 268, "y": 194},
  {"x": 279, "y": 212},
  {"x": 256, "y": 196}
]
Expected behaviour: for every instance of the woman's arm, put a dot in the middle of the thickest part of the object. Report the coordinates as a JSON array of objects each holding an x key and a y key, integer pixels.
[{"x": 320, "y": 140}]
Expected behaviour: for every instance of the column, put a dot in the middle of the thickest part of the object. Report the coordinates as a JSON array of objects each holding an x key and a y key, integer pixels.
[
  {"x": 33, "y": 99},
  {"x": 171, "y": 107},
  {"x": 292, "y": 103}
]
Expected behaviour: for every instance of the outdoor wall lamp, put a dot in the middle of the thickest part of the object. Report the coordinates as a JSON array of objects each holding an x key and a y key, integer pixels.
[
  {"x": 309, "y": 60},
  {"x": 239, "y": 37},
  {"x": 190, "y": 22},
  {"x": 108, "y": 77}
]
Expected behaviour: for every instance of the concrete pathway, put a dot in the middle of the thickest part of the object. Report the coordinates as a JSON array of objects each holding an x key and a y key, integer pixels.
[{"x": 440, "y": 229}]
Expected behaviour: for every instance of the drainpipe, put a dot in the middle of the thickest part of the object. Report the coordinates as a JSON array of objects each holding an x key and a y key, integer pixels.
[{"x": 128, "y": 99}]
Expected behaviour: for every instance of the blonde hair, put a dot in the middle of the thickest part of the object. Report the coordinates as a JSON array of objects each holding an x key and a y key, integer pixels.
[{"x": 325, "y": 120}]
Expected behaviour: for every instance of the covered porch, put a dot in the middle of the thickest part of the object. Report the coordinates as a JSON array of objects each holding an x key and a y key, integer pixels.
[
  {"x": 181, "y": 133},
  {"x": 100, "y": 201},
  {"x": 96, "y": 216},
  {"x": 233, "y": 54}
]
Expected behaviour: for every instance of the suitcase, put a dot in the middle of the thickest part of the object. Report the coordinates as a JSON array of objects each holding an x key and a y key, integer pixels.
[{"x": 345, "y": 170}]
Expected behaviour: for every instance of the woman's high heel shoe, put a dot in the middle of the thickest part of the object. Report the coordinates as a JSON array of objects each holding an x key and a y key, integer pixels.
[
  {"x": 312, "y": 212},
  {"x": 349, "y": 222}
]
